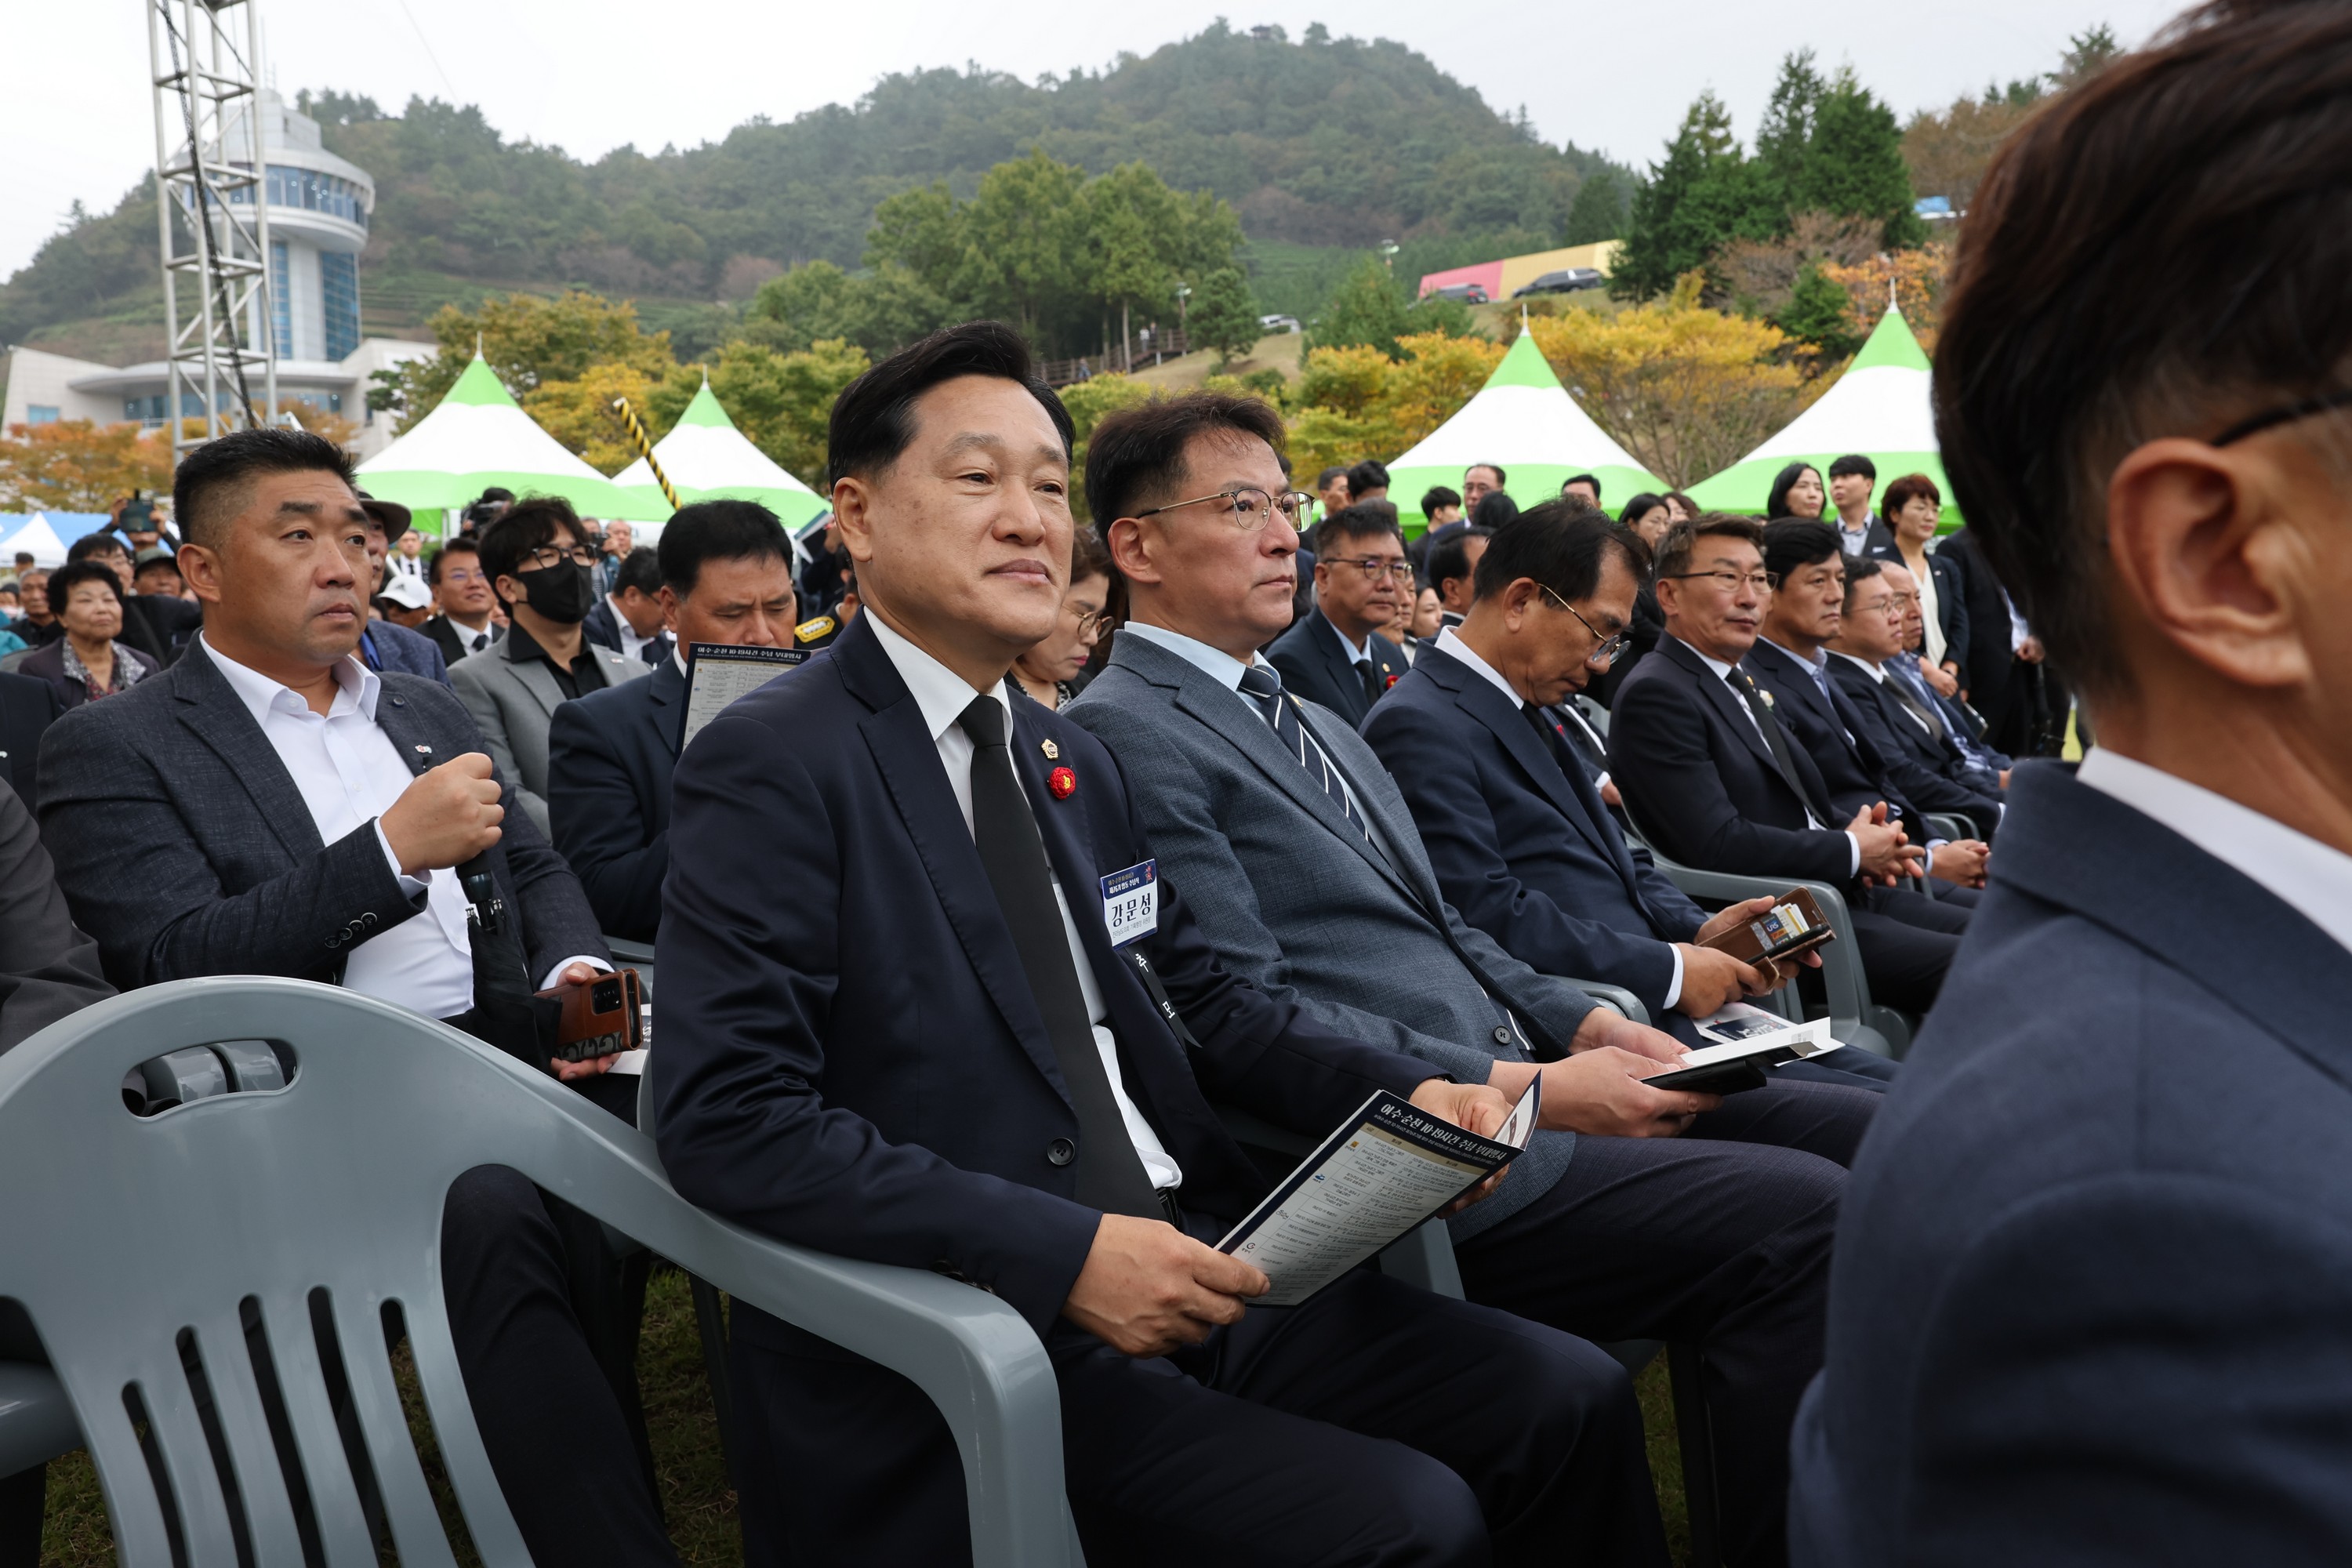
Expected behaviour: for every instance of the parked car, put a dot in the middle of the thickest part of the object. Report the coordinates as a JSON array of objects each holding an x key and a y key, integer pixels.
[
  {"x": 1468, "y": 293},
  {"x": 1278, "y": 324},
  {"x": 1566, "y": 280}
]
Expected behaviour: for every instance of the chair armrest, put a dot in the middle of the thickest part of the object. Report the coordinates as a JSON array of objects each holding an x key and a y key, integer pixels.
[
  {"x": 36, "y": 1421},
  {"x": 624, "y": 951},
  {"x": 1616, "y": 997},
  {"x": 1944, "y": 825}
]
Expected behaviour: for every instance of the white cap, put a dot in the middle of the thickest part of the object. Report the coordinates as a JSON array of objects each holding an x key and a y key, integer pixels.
[{"x": 408, "y": 592}]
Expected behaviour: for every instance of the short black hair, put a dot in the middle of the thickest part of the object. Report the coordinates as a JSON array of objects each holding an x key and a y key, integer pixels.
[
  {"x": 1562, "y": 544},
  {"x": 1861, "y": 569},
  {"x": 1135, "y": 458},
  {"x": 1776, "y": 503},
  {"x": 873, "y": 418},
  {"x": 463, "y": 544},
  {"x": 1357, "y": 521},
  {"x": 208, "y": 477},
  {"x": 1335, "y": 472},
  {"x": 1369, "y": 475},
  {"x": 1449, "y": 558},
  {"x": 713, "y": 530},
  {"x": 1640, "y": 507},
  {"x": 525, "y": 527},
  {"x": 1673, "y": 557},
  {"x": 641, "y": 570},
  {"x": 1437, "y": 495},
  {"x": 73, "y": 574},
  {"x": 1792, "y": 544},
  {"x": 1854, "y": 463},
  {"x": 1494, "y": 511},
  {"x": 1593, "y": 479},
  {"x": 91, "y": 545}
]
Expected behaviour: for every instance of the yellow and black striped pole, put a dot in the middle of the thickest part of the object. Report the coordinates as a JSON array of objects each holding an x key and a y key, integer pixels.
[{"x": 637, "y": 434}]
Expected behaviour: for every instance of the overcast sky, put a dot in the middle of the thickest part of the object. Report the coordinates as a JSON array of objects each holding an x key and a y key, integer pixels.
[{"x": 592, "y": 75}]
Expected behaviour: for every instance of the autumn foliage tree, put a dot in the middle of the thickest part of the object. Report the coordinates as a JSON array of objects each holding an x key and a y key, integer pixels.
[
  {"x": 74, "y": 464},
  {"x": 1355, "y": 402},
  {"x": 1687, "y": 390}
]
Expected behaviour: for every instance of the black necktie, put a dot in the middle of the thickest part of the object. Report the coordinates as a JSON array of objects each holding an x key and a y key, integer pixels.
[
  {"x": 1770, "y": 727},
  {"x": 1929, "y": 719},
  {"x": 1373, "y": 686},
  {"x": 1111, "y": 1174},
  {"x": 1262, "y": 686}
]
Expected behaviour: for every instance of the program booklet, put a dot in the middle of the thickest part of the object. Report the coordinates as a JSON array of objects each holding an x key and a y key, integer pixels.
[
  {"x": 1385, "y": 1170},
  {"x": 718, "y": 673},
  {"x": 1747, "y": 1040}
]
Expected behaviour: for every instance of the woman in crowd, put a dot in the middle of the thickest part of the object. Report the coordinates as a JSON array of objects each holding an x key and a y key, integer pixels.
[
  {"x": 1680, "y": 508},
  {"x": 1797, "y": 491},
  {"x": 1428, "y": 615},
  {"x": 1911, "y": 507},
  {"x": 88, "y": 663},
  {"x": 1646, "y": 517},
  {"x": 1049, "y": 671}
]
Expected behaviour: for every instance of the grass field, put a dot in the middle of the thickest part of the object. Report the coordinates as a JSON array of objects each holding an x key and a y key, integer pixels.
[{"x": 695, "y": 1497}]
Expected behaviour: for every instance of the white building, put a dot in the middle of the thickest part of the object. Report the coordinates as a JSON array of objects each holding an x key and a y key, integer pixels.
[{"x": 319, "y": 210}]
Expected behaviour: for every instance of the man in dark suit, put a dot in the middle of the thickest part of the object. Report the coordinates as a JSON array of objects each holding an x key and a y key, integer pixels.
[
  {"x": 627, "y": 619},
  {"x": 1518, "y": 836},
  {"x": 1451, "y": 568},
  {"x": 1712, "y": 778},
  {"x": 2093, "y": 1291},
  {"x": 1866, "y": 660},
  {"x": 1307, "y": 873},
  {"x": 2005, "y": 679},
  {"x": 269, "y": 805},
  {"x": 463, "y": 624},
  {"x": 1791, "y": 661},
  {"x": 29, "y": 705},
  {"x": 920, "y": 1047},
  {"x": 1983, "y": 769},
  {"x": 51, "y": 969},
  {"x": 1860, "y": 531},
  {"x": 727, "y": 571},
  {"x": 1335, "y": 654}
]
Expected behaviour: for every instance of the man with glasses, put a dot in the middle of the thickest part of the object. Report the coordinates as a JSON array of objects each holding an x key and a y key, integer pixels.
[
  {"x": 1866, "y": 659},
  {"x": 1335, "y": 654},
  {"x": 1307, "y": 873},
  {"x": 1715, "y": 778},
  {"x": 462, "y": 623},
  {"x": 540, "y": 565}
]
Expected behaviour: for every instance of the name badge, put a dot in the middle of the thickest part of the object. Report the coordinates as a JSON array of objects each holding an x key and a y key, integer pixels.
[{"x": 1132, "y": 902}]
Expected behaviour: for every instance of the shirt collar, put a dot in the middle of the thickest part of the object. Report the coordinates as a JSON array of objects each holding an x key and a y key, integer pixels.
[
  {"x": 1450, "y": 643},
  {"x": 1876, "y": 672},
  {"x": 939, "y": 691},
  {"x": 1215, "y": 662},
  {"x": 1820, "y": 661},
  {"x": 2300, "y": 871},
  {"x": 1355, "y": 655},
  {"x": 356, "y": 688},
  {"x": 1722, "y": 670}
]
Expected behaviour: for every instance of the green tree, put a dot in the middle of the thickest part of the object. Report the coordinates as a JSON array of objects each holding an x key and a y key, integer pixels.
[
  {"x": 1695, "y": 200},
  {"x": 921, "y": 230},
  {"x": 1784, "y": 138},
  {"x": 880, "y": 311},
  {"x": 1370, "y": 309},
  {"x": 1026, "y": 239},
  {"x": 1853, "y": 165},
  {"x": 1599, "y": 210},
  {"x": 1819, "y": 313},
  {"x": 1223, "y": 317},
  {"x": 528, "y": 341}
]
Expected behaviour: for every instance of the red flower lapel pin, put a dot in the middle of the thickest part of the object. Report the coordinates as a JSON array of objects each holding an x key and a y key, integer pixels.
[{"x": 1063, "y": 782}]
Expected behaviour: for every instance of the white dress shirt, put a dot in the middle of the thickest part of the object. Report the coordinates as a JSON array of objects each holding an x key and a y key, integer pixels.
[
  {"x": 943, "y": 695},
  {"x": 1852, "y": 537},
  {"x": 348, "y": 773},
  {"x": 406, "y": 565},
  {"x": 632, "y": 644},
  {"x": 1723, "y": 673},
  {"x": 1356, "y": 655},
  {"x": 2300, "y": 871},
  {"x": 474, "y": 641},
  {"x": 1448, "y": 643}
]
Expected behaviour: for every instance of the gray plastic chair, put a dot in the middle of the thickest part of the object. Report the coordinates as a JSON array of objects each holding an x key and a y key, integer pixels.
[{"x": 214, "y": 1242}]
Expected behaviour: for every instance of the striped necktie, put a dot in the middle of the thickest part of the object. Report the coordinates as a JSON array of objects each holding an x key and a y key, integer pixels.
[{"x": 1262, "y": 687}]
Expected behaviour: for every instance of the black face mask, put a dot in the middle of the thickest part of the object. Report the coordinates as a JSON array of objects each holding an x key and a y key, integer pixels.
[{"x": 562, "y": 593}]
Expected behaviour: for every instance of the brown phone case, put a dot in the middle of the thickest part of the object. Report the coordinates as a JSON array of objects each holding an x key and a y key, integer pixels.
[
  {"x": 1794, "y": 924},
  {"x": 604, "y": 1015}
]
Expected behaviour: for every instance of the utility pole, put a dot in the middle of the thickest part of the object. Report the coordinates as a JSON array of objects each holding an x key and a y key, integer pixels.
[{"x": 211, "y": 204}]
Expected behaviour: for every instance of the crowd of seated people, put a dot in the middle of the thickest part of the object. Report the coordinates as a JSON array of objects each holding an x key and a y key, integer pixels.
[{"x": 1414, "y": 813}]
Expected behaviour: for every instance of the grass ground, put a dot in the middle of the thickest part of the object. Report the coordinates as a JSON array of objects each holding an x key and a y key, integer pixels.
[{"x": 695, "y": 1499}]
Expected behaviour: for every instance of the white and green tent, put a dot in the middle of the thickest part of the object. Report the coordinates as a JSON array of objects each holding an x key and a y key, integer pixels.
[
  {"x": 1879, "y": 407},
  {"x": 479, "y": 436},
  {"x": 705, "y": 458},
  {"x": 1524, "y": 420}
]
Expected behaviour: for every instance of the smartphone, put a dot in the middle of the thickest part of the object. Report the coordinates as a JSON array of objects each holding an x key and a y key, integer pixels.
[{"x": 599, "y": 1017}]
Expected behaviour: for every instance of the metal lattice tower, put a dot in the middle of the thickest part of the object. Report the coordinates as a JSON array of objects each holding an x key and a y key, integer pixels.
[{"x": 213, "y": 216}]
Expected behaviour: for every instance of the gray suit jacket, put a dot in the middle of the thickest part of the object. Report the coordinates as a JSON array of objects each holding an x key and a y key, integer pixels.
[
  {"x": 1295, "y": 900},
  {"x": 184, "y": 849},
  {"x": 48, "y": 969},
  {"x": 512, "y": 701}
]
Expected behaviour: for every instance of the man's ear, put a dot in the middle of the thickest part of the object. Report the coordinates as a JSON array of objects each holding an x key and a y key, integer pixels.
[
  {"x": 852, "y": 501},
  {"x": 1130, "y": 550},
  {"x": 2206, "y": 545}
]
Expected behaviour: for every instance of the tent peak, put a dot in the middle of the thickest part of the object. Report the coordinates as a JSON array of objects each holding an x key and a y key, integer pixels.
[{"x": 1523, "y": 364}]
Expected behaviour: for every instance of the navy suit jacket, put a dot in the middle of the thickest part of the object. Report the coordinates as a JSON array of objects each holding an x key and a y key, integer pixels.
[
  {"x": 1524, "y": 851},
  {"x": 1826, "y": 726},
  {"x": 29, "y": 705},
  {"x": 388, "y": 646},
  {"x": 2090, "y": 1300},
  {"x": 851, "y": 1057},
  {"x": 1316, "y": 666},
  {"x": 609, "y": 758},
  {"x": 1956, "y": 785},
  {"x": 1701, "y": 784}
]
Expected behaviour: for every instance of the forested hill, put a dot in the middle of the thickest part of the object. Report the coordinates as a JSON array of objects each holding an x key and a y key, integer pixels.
[{"x": 1322, "y": 143}]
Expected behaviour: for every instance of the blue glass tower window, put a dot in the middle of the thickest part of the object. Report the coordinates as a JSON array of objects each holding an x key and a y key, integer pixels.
[
  {"x": 281, "y": 307},
  {"x": 339, "y": 287}
]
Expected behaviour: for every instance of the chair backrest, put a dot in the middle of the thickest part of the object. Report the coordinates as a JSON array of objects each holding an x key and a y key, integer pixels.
[{"x": 202, "y": 1279}]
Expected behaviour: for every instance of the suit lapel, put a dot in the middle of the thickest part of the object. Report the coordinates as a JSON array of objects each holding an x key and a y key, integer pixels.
[
  {"x": 908, "y": 761},
  {"x": 212, "y": 708},
  {"x": 665, "y": 685},
  {"x": 1341, "y": 668},
  {"x": 1715, "y": 690},
  {"x": 536, "y": 678},
  {"x": 1508, "y": 725}
]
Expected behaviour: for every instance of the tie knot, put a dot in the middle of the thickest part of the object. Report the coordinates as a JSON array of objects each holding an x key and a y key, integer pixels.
[
  {"x": 984, "y": 722},
  {"x": 1260, "y": 681}
]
